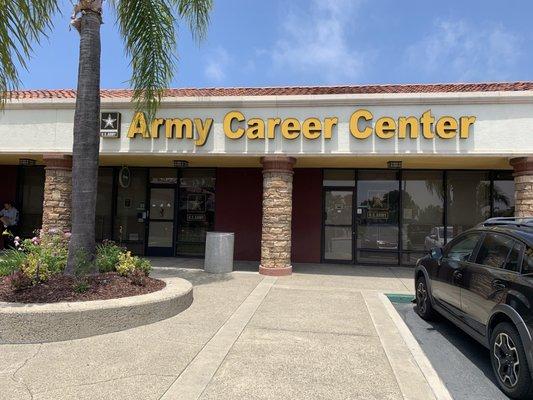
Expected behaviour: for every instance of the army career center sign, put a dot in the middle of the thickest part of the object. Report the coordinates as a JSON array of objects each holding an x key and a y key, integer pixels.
[{"x": 362, "y": 125}]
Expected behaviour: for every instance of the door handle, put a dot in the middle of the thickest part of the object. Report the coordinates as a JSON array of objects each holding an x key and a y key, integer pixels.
[
  {"x": 498, "y": 284},
  {"x": 458, "y": 275}
]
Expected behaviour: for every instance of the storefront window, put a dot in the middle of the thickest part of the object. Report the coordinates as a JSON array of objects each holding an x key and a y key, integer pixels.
[
  {"x": 377, "y": 215},
  {"x": 164, "y": 176},
  {"x": 376, "y": 222},
  {"x": 422, "y": 214},
  {"x": 130, "y": 216},
  {"x": 339, "y": 177},
  {"x": 503, "y": 194},
  {"x": 104, "y": 204},
  {"x": 31, "y": 210},
  {"x": 468, "y": 200},
  {"x": 196, "y": 210}
]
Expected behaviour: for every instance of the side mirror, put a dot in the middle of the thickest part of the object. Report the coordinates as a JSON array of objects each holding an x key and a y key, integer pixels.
[{"x": 436, "y": 253}]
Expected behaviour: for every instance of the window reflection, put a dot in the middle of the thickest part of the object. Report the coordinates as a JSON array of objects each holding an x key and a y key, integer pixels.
[
  {"x": 338, "y": 225},
  {"x": 31, "y": 210},
  {"x": 468, "y": 199},
  {"x": 503, "y": 195},
  {"x": 377, "y": 210},
  {"x": 104, "y": 204},
  {"x": 423, "y": 211},
  {"x": 131, "y": 203},
  {"x": 196, "y": 210}
]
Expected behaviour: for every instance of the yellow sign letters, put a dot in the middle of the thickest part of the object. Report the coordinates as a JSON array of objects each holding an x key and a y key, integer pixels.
[{"x": 361, "y": 124}]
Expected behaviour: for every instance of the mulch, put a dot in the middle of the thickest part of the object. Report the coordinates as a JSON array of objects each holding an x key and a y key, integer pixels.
[{"x": 61, "y": 288}]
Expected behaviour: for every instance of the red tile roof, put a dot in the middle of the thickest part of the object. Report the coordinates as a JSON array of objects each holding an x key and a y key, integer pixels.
[{"x": 292, "y": 90}]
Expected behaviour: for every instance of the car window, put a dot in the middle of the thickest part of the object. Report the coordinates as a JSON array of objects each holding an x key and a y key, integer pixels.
[
  {"x": 497, "y": 251},
  {"x": 527, "y": 264},
  {"x": 513, "y": 260},
  {"x": 463, "y": 249}
]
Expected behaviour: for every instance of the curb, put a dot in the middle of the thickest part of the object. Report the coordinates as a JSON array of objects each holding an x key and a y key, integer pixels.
[
  {"x": 432, "y": 377},
  {"x": 56, "y": 322}
]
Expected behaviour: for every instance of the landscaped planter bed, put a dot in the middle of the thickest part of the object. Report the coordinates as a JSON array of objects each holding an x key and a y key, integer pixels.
[
  {"x": 62, "y": 288},
  {"x": 39, "y": 323}
]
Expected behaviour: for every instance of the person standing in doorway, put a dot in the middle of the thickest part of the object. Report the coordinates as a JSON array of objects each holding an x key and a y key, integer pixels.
[{"x": 9, "y": 216}]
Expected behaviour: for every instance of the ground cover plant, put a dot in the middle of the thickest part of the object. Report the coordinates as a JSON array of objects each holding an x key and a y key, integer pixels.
[{"x": 33, "y": 272}]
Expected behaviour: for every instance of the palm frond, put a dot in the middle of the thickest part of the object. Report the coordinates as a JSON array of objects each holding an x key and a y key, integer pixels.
[
  {"x": 148, "y": 28},
  {"x": 196, "y": 13},
  {"x": 149, "y": 34},
  {"x": 23, "y": 23}
]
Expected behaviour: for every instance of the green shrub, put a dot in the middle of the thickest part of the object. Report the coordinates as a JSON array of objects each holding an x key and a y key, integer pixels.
[
  {"x": 81, "y": 286},
  {"x": 10, "y": 261},
  {"x": 45, "y": 256},
  {"x": 128, "y": 264},
  {"x": 107, "y": 256},
  {"x": 143, "y": 265}
]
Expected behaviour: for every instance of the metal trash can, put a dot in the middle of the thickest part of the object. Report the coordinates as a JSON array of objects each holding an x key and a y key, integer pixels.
[{"x": 219, "y": 252}]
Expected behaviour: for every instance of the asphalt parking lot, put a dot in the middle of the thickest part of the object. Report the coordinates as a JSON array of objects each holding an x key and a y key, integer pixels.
[{"x": 461, "y": 362}]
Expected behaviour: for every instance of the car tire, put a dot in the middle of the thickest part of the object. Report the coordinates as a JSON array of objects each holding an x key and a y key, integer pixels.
[
  {"x": 509, "y": 362},
  {"x": 423, "y": 306}
]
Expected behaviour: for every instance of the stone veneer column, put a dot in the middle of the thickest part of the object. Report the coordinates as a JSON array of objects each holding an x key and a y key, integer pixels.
[
  {"x": 277, "y": 215},
  {"x": 57, "y": 192},
  {"x": 523, "y": 179}
]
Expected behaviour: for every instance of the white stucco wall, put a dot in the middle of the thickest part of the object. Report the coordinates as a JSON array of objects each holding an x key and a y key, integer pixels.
[{"x": 504, "y": 125}]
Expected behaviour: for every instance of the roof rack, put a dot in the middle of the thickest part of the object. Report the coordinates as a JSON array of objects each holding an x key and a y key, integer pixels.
[{"x": 514, "y": 221}]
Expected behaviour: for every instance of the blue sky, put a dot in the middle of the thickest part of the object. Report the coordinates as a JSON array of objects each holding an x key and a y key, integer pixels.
[{"x": 321, "y": 42}]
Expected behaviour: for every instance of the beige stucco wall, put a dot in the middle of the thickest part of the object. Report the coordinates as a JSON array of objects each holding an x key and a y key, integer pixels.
[{"x": 502, "y": 130}]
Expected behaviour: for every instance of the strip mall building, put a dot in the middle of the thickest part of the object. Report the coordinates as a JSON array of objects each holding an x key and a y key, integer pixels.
[{"x": 354, "y": 174}]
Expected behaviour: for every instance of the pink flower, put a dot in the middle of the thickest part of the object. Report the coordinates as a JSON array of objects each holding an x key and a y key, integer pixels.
[
  {"x": 17, "y": 238},
  {"x": 68, "y": 235}
]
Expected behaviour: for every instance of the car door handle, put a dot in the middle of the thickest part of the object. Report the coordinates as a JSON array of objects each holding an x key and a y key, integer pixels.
[
  {"x": 458, "y": 275},
  {"x": 498, "y": 285}
]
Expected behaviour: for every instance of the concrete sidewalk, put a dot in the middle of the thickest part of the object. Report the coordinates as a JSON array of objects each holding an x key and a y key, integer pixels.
[{"x": 321, "y": 333}]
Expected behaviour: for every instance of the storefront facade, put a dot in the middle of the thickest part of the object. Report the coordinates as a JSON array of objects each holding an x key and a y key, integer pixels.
[{"x": 361, "y": 174}]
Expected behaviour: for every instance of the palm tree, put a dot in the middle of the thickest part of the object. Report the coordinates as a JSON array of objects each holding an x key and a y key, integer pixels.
[{"x": 148, "y": 28}]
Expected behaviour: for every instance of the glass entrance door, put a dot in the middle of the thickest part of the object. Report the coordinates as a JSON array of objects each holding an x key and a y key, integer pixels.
[
  {"x": 161, "y": 222},
  {"x": 338, "y": 229}
]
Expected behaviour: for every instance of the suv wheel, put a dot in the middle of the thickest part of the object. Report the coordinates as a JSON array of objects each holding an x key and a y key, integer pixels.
[
  {"x": 509, "y": 362},
  {"x": 423, "y": 301}
]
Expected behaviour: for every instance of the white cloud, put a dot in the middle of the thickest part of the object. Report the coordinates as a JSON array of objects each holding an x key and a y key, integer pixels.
[
  {"x": 458, "y": 50},
  {"x": 217, "y": 64},
  {"x": 315, "y": 42}
]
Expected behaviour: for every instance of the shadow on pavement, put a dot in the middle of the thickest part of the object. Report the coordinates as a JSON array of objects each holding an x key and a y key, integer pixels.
[
  {"x": 475, "y": 352},
  {"x": 461, "y": 362}
]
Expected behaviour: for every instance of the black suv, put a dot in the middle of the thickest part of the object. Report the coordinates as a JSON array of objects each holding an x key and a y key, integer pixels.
[{"x": 482, "y": 281}]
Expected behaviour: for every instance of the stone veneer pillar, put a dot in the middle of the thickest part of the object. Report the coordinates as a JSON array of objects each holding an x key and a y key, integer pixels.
[
  {"x": 57, "y": 192},
  {"x": 277, "y": 215},
  {"x": 523, "y": 179}
]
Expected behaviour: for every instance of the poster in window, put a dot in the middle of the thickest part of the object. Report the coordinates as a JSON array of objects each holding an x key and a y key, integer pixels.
[{"x": 196, "y": 203}]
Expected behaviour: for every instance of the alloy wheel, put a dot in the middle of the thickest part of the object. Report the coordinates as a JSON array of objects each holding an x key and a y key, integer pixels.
[
  {"x": 421, "y": 297},
  {"x": 506, "y": 355}
]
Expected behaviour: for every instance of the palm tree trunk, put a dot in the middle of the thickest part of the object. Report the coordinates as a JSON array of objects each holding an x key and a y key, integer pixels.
[{"x": 86, "y": 145}]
